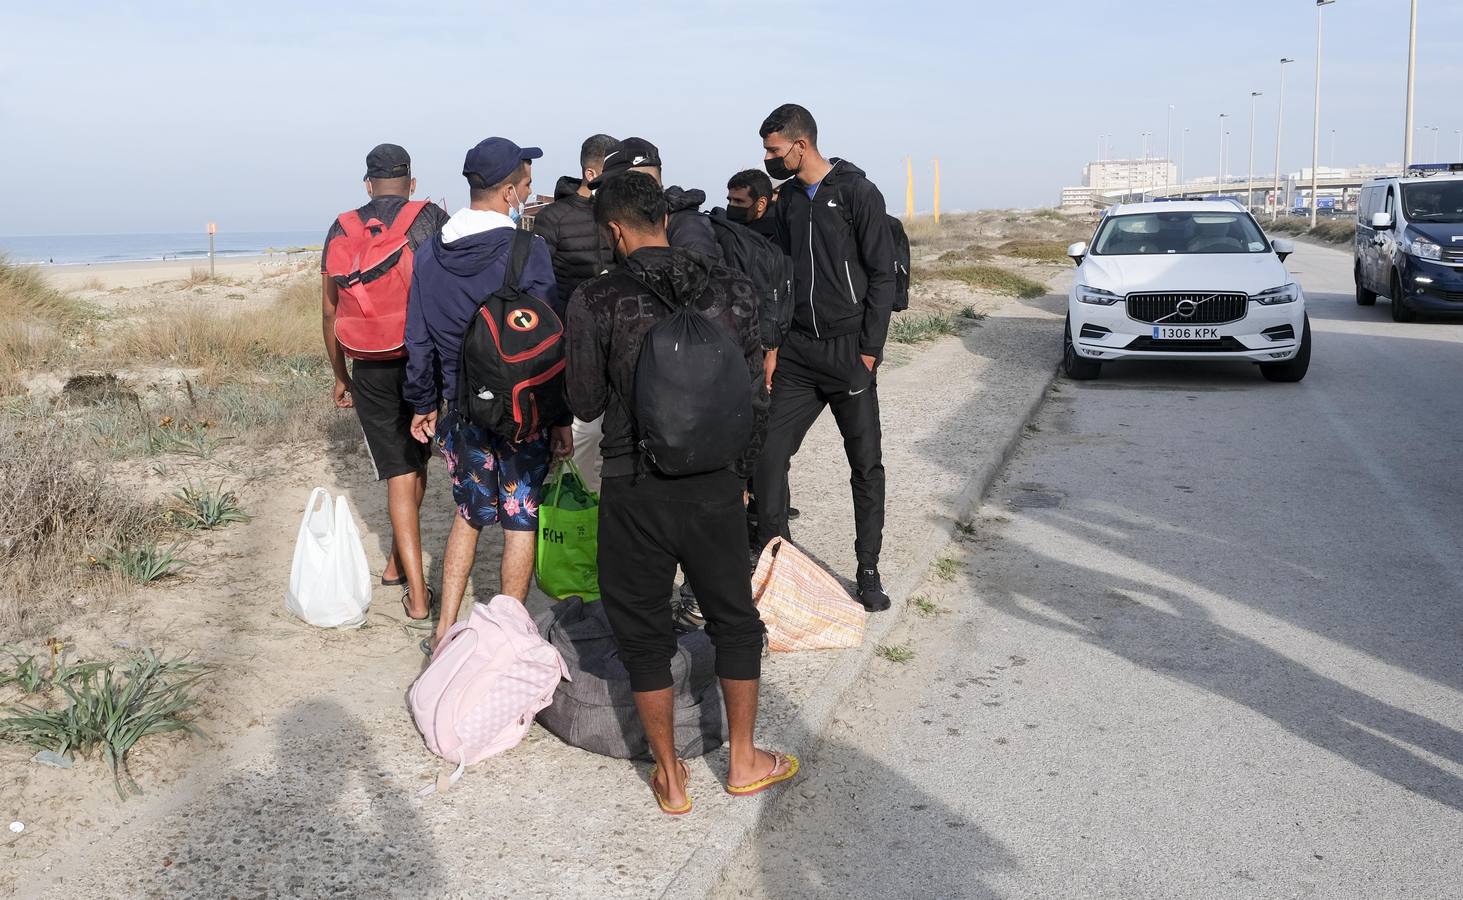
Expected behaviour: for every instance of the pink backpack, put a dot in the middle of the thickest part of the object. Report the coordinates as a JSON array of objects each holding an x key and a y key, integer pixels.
[{"x": 487, "y": 680}]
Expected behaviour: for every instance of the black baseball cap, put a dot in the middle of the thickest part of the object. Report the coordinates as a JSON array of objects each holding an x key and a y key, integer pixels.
[
  {"x": 494, "y": 159},
  {"x": 387, "y": 161},
  {"x": 631, "y": 153}
]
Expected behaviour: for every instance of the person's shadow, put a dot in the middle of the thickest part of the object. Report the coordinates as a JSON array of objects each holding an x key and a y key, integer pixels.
[{"x": 324, "y": 819}]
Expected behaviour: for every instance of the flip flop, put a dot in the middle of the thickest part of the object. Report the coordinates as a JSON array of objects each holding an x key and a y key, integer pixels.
[
  {"x": 431, "y": 603},
  {"x": 773, "y": 778},
  {"x": 661, "y": 801}
]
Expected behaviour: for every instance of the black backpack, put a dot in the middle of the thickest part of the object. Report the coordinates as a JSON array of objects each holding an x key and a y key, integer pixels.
[
  {"x": 693, "y": 394},
  {"x": 510, "y": 374},
  {"x": 901, "y": 264},
  {"x": 769, "y": 269}
]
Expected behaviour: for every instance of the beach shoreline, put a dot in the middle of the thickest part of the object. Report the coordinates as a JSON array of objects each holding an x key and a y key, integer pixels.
[{"x": 135, "y": 273}]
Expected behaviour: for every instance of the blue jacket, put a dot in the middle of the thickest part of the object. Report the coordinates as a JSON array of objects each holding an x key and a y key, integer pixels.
[{"x": 448, "y": 282}]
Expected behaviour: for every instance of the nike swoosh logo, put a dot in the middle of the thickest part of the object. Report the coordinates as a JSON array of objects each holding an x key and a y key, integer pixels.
[
  {"x": 832, "y": 205},
  {"x": 857, "y": 392}
]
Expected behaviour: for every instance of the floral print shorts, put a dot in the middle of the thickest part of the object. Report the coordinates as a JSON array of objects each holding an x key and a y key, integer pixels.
[{"x": 494, "y": 481}]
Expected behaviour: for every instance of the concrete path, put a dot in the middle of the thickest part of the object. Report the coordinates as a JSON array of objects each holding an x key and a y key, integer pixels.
[
  {"x": 320, "y": 799},
  {"x": 1205, "y": 641}
]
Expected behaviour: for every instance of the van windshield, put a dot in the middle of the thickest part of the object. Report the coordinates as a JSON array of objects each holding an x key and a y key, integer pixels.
[
  {"x": 1144, "y": 234},
  {"x": 1439, "y": 201}
]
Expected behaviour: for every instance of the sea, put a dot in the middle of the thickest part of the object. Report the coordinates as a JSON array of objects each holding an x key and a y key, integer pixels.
[{"x": 95, "y": 249}]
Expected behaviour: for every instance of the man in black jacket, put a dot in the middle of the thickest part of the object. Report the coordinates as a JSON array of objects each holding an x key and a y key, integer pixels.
[
  {"x": 831, "y": 220},
  {"x": 687, "y": 227},
  {"x": 651, "y": 522},
  {"x": 749, "y": 202},
  {"x": 580, "y": 252}
]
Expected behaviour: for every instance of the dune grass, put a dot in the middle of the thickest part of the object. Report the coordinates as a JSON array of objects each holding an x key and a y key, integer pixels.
[
  {"x": 206, "y": 338},
  {"x": 1037, "y": 251},
  {"x": 36, "y": 320},
  {"x": 993, "y": 278},
  {"x": 916, "y": 328}
]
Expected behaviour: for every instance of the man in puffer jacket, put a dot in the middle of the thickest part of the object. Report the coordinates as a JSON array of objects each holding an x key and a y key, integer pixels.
[
  {"x": 686, "y": 228},
  {"x": 580, "y": 252},
  {"x": 578, "y": 249}
]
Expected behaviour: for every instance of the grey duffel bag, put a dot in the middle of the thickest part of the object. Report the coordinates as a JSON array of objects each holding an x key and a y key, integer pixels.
[{"x": 596, "y": 710}]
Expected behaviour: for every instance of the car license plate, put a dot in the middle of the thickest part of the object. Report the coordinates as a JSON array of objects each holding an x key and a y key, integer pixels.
[{"x": 1184, "y": 333}]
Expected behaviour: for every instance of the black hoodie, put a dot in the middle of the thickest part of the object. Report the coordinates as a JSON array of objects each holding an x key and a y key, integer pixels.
[
  {"x": 687, "y": 228},
  {"x": 608, "y": 319},
  {"x": 843, "y": 257},
  {"x": 578, "y": 248}
]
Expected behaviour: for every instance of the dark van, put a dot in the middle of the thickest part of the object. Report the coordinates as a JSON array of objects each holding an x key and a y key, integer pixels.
[{"x": 1409, "y": 242}]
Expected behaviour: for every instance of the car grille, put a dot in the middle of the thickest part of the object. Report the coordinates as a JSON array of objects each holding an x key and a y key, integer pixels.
[
  {"x": 1223, "y": 345},
  {"x": 1210, "y": 309},
  {"x": 1453, "y": 254}
]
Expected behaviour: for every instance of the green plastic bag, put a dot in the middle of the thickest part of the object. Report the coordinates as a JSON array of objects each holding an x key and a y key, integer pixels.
[{"x": 567, "y": 560}]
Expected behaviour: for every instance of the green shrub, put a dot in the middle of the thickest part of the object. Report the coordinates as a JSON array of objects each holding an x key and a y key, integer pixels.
[
  {"x": 196, "y": 507},
  {"x": 915, "y": 328}
]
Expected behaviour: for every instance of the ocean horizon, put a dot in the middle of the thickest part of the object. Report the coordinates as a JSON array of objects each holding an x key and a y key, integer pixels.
[{"x": 94, "y": 249}]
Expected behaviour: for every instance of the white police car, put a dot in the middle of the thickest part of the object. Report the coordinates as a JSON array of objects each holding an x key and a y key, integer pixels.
[{"x": 1185, "y": 280}]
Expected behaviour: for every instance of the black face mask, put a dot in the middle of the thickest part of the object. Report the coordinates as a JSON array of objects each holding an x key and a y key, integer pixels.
[
  {"x": 777, "y": 167},
  {"x": 739, "y": 214}
]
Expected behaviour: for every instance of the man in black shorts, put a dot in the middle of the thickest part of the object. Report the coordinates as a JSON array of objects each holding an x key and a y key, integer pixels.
[{"x": 374, "y": 386}]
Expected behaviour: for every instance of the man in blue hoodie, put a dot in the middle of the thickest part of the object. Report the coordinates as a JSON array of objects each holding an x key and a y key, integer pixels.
[{"x": 494, "y": 481}]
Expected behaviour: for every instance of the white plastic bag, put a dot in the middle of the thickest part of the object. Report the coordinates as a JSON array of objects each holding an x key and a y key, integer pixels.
[{"x": 330, "y": 583}]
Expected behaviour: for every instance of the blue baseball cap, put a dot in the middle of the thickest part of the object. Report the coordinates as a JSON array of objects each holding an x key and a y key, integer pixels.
[{"x": 494, "y": 160}]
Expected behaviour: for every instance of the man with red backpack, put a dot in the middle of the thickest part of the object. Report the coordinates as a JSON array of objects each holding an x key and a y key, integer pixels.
[
  {"x": 366, "y": 270},
  {"x": 497, "y": 449}
]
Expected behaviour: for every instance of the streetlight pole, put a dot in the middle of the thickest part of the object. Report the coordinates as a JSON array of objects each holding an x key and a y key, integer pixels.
[
  {"x": 1316, "y": 129},
  {"x": 1459, "y": 132},
  {"x": 1219, "y": 178},
  {"x": 1436, "y": 130},
  {"x": 1168, "y": 148},
  {"x": 1279, "y": 127},
  {"x": 1250, "y": 182},
  {"x": 1411, "y": 87},
  {"x": 1333, "y": 148}
]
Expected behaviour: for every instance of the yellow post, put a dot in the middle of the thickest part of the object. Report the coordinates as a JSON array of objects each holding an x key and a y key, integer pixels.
[
  {"x": 937, "y": 190},
  {"x": 908, "y": 188}
]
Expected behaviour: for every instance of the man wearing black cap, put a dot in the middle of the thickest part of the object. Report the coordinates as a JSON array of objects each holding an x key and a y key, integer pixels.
[
  {"x": 687, "y": 228},
  {"x": 374, "y": 386},
  {"x": 494, "y": 481}
]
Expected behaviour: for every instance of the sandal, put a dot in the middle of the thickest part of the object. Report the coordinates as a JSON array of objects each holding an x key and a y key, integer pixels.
[
  {"x": 406, "y": 608},
  {"x": 779, "y": 761},
  {"x": 660, "y": 800},
  {"x": 394, "y": 582}
]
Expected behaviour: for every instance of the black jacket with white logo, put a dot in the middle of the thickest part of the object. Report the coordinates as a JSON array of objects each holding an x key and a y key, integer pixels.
[{"x": 843, "y": 257}]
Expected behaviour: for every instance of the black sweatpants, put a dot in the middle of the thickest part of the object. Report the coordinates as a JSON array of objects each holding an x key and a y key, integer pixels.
[
  {"x": 648, "y": 527},
  {"x": 811, "y": 374}
]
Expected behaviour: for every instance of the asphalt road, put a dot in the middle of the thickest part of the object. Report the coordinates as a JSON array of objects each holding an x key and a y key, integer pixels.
[{"x": 1205, "y": 640}]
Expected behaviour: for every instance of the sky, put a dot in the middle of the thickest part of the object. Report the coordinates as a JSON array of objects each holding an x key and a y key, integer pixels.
[{"x": 160, "y": 116}]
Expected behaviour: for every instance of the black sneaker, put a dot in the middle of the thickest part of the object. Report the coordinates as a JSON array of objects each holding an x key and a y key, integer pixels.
[
  {"x": 686, "y": 611},
  {"x": 793, "y": 512},
  {"x": 871, "y": 590}
]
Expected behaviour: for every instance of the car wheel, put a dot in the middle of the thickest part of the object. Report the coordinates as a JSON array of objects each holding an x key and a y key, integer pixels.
[
  {"x": 1364, "y": 297},
  {"x": 1401, "y": 312},
  {"x": 1293, "y": 369},
  {"x": 1077, "y": 368}
]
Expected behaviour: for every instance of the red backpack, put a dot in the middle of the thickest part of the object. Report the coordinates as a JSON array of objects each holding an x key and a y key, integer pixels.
[{"x": 371, "y": 264}]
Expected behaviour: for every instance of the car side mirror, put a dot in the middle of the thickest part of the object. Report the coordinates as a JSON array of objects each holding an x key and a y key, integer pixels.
[
  {"x": 1282, "y": 247},
  {"x": 1078, "y": 252},
  {"x": 1382, "y": 221}
]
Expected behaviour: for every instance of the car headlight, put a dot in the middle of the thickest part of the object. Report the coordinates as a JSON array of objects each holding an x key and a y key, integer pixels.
[
  {"x": 1286, "y": 293},
  {"x": 1422, "y": 249},
  {"x": 1096, "y": 296}
]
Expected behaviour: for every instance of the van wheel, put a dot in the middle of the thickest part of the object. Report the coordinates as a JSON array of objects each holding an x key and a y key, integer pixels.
[
  {"x": 1401, "y": 312},
  {"x": 1293, "y": 369},
  {"x": 1364, "y": 297},
  {"x": 1075, "y": 367}
]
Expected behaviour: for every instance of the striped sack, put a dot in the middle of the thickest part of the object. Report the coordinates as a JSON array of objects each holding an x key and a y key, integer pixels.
[{"x": 804, "y": 607}]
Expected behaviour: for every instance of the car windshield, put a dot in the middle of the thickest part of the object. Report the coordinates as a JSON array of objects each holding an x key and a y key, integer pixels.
[
  {"x": 1439, "y": 201},
  {"x": 1144, "y": 234}
]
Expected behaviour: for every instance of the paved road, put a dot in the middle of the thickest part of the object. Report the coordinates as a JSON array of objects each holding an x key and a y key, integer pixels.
[{"x": 1205, "y": 641}]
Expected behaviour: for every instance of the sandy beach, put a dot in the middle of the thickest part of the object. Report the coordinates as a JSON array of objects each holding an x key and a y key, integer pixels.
[{"x": 153, "y": 271}]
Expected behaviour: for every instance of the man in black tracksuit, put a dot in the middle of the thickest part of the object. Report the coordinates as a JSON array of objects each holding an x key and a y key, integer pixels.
[
  {"x": 650, "y": 522},
  {"x": 686, "y": 227},
  {"x": 831, "y": 220}
]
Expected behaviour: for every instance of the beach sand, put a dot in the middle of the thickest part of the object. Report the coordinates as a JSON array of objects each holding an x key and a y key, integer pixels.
[{"x": 147, "y": 272}]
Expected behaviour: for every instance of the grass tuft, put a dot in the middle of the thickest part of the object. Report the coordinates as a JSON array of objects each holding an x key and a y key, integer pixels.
[
  {"x": 1037, "y": 251},
  {"x": 112, "y": 708},
  {"x": 197, "y": 507},
  {"x": 924, "y": 606},
  {"x": 993, "y": 278},
  {"x": 141, "y": 563},
  {"x": 915, "y": 328},
  {"x": 898, "y": 653},
  {"x": 946, "y": 568}
]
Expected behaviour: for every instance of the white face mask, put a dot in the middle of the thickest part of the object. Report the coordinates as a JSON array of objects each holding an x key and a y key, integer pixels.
[{"x": 516, "y": 212}]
